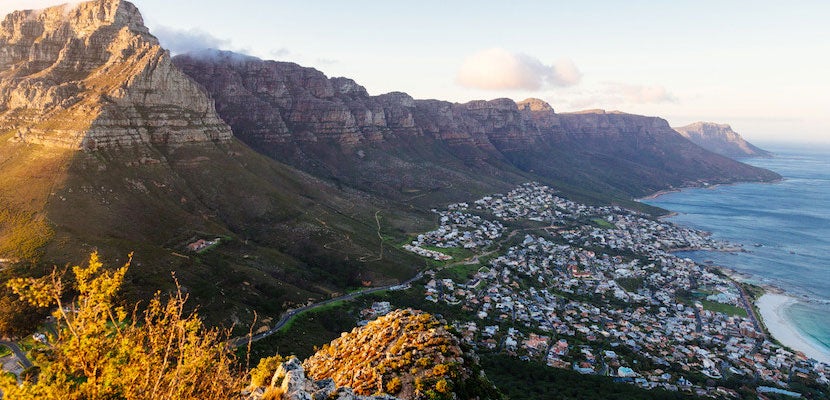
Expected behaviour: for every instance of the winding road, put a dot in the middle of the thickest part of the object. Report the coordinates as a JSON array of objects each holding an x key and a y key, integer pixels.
[
  {"x": 17, "y": 353},
  {"x": 286, "y": 316}
]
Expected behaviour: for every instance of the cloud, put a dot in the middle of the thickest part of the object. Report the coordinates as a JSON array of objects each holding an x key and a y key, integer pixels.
[
  {"x": 282, "y": 52},
  {"x": 616, "y": 94},
  {"x": 7, "y": 6},
  {"x": 326, "y": 61},
  {"x": 642, "y": 94},
  {"x": 499, "y": 69},
  {"x": 184, "y": 41}
]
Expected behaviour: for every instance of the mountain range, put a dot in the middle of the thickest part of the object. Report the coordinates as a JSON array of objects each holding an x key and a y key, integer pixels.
[{"x": 308, "y": 182}]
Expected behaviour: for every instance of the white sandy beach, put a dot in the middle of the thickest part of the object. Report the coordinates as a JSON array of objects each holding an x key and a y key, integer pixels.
[{"x": 772, "y": 307}]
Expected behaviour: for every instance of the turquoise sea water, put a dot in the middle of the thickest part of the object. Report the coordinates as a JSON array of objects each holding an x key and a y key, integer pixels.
[{"x": 784, "y": 226}]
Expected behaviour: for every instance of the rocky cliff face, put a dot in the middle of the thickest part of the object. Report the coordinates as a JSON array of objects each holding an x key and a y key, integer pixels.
[
  {"x": 721, "y": 139},
  {"x": 91, "y": 75},
  {"x": 389, "y": 144},
  {"x": 333, "y": 128}
]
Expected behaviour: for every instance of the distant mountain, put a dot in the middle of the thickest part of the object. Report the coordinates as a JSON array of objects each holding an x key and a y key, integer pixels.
[
  {"x": 395, "y": 146},
  {"x": 721, "y": 139}
]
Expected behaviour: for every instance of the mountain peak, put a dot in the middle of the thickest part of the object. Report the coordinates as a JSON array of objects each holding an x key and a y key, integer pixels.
[
  {"x": 80, "y": 18},
  {"x": 92, "y": 75},
  {"x": 534, "y": 104}
]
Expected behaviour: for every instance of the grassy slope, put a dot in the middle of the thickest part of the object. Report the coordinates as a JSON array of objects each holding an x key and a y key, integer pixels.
[{"x": 287, "y": 236}]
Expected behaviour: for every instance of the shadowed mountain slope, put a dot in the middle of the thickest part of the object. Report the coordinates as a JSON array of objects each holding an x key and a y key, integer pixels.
[{"x": 392, "y": 144}]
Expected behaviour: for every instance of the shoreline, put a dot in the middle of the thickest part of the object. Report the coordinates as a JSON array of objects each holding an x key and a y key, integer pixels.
[
  {"x": 772, "y": 307},
  {"x": 659, "y": 193},
  {"x": 704, "y": 186}
]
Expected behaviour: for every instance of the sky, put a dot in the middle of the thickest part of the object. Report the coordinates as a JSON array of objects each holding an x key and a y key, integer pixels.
[{"x": 761, "y": 66}]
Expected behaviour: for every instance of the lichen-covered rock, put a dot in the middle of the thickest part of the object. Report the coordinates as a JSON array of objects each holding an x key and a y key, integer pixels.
[
  {"x": 406, "y": 353},
  {"x": 91, "y": 75},
  {"x": 290, "y": 380}
]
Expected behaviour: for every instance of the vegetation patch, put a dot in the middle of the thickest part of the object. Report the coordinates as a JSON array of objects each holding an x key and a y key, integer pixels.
[
  {"x": 459, "y": 273},
  {"x": 727, "y": 309},
  {"x": 631, "y": 284},
  {"x": 532, "y": 380},
  {"x": 603, "y": 223}
]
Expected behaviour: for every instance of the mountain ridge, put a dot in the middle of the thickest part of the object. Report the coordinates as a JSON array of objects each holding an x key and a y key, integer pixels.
[{"x": 296, "y": 114}]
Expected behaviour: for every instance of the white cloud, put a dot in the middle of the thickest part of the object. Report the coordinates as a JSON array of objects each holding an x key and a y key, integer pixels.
[
  {"x": 183, "y": 41},
  {"x": 7, "y": 6},
  {"x": 642, "y": 94},
  {"x": 280, "y": 53},
  {"x": 499, "y": 69},
  {"x": 615, "y": 94}
]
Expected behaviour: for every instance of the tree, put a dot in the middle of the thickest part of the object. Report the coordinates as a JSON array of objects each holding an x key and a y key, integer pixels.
[
  {"x": 18, "y": 318},
  {"x": 104, "y": 352}
]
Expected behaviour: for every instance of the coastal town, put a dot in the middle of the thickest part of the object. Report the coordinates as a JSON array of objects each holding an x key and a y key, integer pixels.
[{"x": 599, "y": 290}]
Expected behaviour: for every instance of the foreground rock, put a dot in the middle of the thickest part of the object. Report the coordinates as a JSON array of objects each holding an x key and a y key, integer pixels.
[
  {"x": 408, "y": 354},
  {"x": 721, "y": 139},
  {"x": 290, "y": 383}
]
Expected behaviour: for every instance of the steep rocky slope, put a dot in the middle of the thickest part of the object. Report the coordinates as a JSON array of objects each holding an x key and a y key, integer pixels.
[
  {"x": 106, "y": 145},
  {"x": 334, "y": 129},
  {"x": 721, "y": 139},
  {"x": 91, "y": 75},
  {"x": 394, "y": 145}
]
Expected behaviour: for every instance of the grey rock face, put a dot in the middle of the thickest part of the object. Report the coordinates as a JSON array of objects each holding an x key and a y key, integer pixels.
[
  {"x": 291, "y": 379},
  {"x": 91, "y": 75}
]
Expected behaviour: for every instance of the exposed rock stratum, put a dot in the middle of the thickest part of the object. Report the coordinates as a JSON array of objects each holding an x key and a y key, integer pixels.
[{"x": 91, "y": 75}]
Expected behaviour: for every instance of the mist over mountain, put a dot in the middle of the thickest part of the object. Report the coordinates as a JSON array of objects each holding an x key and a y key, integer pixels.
[{"x": 721, "y": 139}]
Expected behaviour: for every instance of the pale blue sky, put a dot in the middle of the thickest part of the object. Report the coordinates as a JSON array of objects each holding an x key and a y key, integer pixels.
[{"x": 762, "y": 66}]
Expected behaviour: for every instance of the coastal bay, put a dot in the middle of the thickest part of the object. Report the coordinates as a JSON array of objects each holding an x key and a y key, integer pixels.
[{"x": 784, "y": 228}]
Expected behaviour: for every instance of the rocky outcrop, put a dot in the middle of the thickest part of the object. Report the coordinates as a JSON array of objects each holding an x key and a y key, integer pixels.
[
  {"x": 406, "y": 353},
  {"x": 332, "y": 127},
  {"x": 721, "y": 139},
  {"x": 91, "y": 75},
  {"x": 291, "y": 383}
]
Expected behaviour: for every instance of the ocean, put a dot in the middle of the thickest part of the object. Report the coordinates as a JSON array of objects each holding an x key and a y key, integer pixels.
[{"x": 783, "y": 226}]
